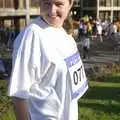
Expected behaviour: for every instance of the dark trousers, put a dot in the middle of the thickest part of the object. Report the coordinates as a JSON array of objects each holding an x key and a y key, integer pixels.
[{"x": 85, "y": 52}]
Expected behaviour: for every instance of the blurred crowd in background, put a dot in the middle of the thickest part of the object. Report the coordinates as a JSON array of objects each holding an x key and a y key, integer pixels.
[{"x": 94, "y": 28}]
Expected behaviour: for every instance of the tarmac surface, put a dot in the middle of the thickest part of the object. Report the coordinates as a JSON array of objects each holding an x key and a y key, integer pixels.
[{"x": 102, "y": 53}]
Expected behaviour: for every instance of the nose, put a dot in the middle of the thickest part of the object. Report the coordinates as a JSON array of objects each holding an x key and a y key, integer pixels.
[{"x": 53, "y": 8}]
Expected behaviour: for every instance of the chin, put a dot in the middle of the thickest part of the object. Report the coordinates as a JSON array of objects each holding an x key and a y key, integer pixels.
[{"x": 54, "y": 24}]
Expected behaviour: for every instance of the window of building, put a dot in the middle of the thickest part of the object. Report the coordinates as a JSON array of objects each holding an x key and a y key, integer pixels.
[
  {"x": 116, "y": 15},
  {"x": 24, "y": 3},
  {"x": 8, "y": 3},
  {"x": 1, "y": 3},
  {"x": 89, "y": 3},
  {"x": 33, "y": 3},
  {"x": 102, "y": 2},
  {"x": 119, "y": 3},
  {"x": 90, "y": 13},
  {"x": 108, "y": 3},
  {"x": 105, "y": 3},
  {"x": 116, "y": 3},
  {"x": 105, "y": 15}
]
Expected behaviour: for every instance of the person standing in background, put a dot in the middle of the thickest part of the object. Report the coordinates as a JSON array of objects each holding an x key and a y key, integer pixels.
[
  {"x": 47, "y": 71},
  {"x": 99, "y": 32},
  {"x": 86, "y": 46}
]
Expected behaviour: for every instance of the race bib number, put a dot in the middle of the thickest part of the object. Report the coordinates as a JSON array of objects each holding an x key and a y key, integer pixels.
[{"x": 77, "y": 74}]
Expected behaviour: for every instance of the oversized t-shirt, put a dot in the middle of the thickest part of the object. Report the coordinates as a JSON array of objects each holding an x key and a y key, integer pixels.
[{"x": 47, "y": 72}]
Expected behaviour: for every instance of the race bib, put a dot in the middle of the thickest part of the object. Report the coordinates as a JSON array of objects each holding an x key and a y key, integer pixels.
[{"x": 77, "y": 74}]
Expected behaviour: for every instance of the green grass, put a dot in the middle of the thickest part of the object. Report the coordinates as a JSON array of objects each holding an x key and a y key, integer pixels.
[
  {"x": 6, "y": 112},
  {"x": 101, "y": 101},
  {"x": 8, "y": 115}
]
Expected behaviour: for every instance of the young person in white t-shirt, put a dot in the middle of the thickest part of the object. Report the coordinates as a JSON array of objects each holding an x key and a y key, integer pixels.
[
  {"x": 48, "y": 75},
  {"x": 86, "y": 46},
  {"x": 99, "y": 32}
]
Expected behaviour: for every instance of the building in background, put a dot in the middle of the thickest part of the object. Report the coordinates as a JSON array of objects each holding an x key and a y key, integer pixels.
[
  {"x": 20, "y": 12},
  {"x": 108, "y": 9},
  {"x": 76, "y": 10},
  {"x": 17, "y": 12},
  {"x": 101, "y": 9}
]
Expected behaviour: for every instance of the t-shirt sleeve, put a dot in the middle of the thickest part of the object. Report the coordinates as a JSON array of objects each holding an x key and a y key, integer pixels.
[{"x": 24, "y": 60}]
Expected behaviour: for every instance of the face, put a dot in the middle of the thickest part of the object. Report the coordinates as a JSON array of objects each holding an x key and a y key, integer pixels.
[{"x": 54, "y": 12}]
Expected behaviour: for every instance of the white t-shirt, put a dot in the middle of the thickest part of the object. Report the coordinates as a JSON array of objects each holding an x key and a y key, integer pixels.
[
  {"x": 99, "y": 29},
  {"x": 46, "y": 65},
  {"x": 86, "y": 42}
]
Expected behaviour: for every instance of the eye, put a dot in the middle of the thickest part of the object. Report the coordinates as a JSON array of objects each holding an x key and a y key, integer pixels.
[{"x": 59, "y": 4}]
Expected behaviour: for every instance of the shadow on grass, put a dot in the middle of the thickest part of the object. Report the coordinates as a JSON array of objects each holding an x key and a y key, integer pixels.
[
  {"x": 112, "y": 79},
  {"x": 103, "y": 93},
  {"x": 109, "y": 78},
  {"x": 103, "y": 98},
  {"x": 102, "y": 107}
]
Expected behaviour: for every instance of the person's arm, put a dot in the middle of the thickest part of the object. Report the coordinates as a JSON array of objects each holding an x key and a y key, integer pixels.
[{"x": 20, "y": 108}]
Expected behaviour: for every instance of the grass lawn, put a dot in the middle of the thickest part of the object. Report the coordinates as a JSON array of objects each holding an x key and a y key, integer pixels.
[{"x": 101, "y": 102}]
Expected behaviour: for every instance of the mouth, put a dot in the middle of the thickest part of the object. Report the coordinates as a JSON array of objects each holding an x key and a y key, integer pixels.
[
  {"x": 52, "y": 16},
  {"x": 53, "y": 20}
]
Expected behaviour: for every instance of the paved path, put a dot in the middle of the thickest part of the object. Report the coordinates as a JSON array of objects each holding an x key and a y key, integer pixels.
[{"x": 101, "y": 53}]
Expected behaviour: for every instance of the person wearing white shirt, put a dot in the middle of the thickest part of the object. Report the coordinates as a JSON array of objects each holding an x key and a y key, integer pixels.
[
  {"x": 86, "y": 46},
  {"x": 99, "y": 32},
  {"x": 47, "y": 71}
]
